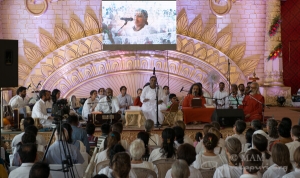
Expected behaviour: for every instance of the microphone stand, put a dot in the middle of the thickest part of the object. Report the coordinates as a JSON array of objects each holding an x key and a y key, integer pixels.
[
  {"x": 157, "y": 125},
  {"x": 123, "y": 25}
]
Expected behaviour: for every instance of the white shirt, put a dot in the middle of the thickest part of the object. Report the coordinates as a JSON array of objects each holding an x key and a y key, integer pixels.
[
  {"x": 18, "y": 138},
  {"x": 104, "y": 106},
  {"x": 156, "y": 155},
  {"x": 88, "y": 107},
  {"x": 12, "y": 99},
  {"x": 274, "y": 171},
  {"x": 22, "y": 171},
  {"x": 146, "y": 165},
  {"x": 294, "y": 174},
  {"x": 203, "y": 161},
  {"x": 221, "y": 95},
  {"x": 194, "y": 173},
  {"x": 39, "y": 111},
  {"x": 49, "y": 104},
  {"x": 200, "y": 148},
  {"x": 233, "y": 102},
  {"x": 101, "y": 96},
  {"x": 107, "y": 171},
  {"x": 228, "y": 171},
  {"x": 124, "y": 100},
  {"x": 19, "y": 102},
  {"x": 102, "y": 156},
  {"x": 292, "y": 146}
]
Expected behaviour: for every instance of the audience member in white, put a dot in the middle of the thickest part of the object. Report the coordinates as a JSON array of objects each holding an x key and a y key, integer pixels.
[
  {"x": 256, "y": 124},
  {"x": 200, "y": 147},
  {"x": 179, "y": 134},
  {"x": 148, "y": 98},
  {"x": 108, "y": 104},
  {"x": 137, "y": 150},
  {"x": 90, "y": 104},
  {"x": 248, "y": 137},
  {"x": 260, "y": 143},
  {"x": 282, "y": 164},
  {"x": 40, "y": 111},
  {"x": 27, "y": 154},
  {"x": 217, "y": 132},
  {"x": 39, "y": 138},
  {"x": 29, "y": 137},
  {"x": 56, "y": 152},
  {"x": 105, "y": 129},
  {"x": 220, "y": 95},
  {"x": 187, "y": 139},
  {"x": 166, "y": 94},
  {"x": 241, "y": 91},
  {"x": 155, "y": 139},
  {"x": 39, "y": 170},
  {"x": 101, "y": 93},
  {"x": 167, "y": 149},
  {"x": 238, "y": 129},
  {"x": 251, "y": 163},
  {"x": 233, "y": 169},
  {"x": 209, "y": 159},
  {"x": 20, "y": 101},
  {"x": 124, "y": 99},
  {"x": 180, "y": 169},
  {"x": 292, "y": 146},
  {"x": 272, "y": 132},
  {"x": 113, "y": 138},
  {"x": 120, "y": 166},
  {"x": 117, "y": 127},
  {"x": 55, "y": 95},
  {"x": 187, "y": 153},
  {"x": 144, "y": 136},
  {"x": 296, "y": 172},
  {"x": 108, "y": 170}
]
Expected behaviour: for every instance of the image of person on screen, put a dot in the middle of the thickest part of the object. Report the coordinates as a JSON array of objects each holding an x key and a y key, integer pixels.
[{"x": 140, "y": 19}]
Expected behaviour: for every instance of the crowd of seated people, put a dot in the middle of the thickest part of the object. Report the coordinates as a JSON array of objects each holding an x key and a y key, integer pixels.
[{"x": 273, "y": 152}]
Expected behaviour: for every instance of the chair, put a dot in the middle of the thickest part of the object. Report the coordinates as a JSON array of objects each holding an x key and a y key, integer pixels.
[
  {"x": 171, "y": 114},
  {"x": 90, "y": 168},
  {"x": 101, "y": 165},
  {"x": 163, "y": 165},
  {"x": 144, "y": 173},
  {"x": 208, "y": 173},
  {"x": 77, "y": 168}
]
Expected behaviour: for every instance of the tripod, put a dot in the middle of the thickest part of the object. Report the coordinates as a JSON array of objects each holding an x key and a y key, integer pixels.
[{"x": 67, "y": 163}]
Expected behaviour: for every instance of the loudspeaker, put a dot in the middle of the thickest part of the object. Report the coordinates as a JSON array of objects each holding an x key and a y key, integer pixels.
[
  {"x": 8, "y": 63},
  {"x": 227, "y": 117}
]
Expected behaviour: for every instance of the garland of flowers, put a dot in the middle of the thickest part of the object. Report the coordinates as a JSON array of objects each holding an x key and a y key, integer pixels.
[
  {"x": 276, "y": 52},
  {"x": 275, "y": 25}
]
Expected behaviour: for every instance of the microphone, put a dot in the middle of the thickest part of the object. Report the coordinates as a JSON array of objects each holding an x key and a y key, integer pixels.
[
  {"x": 249, "y": 91},
  {"x": 29, "y": 86},
  {"x": 126, "y": 19},
  {"x": 181, "y": 89},
  {"x": 154, "y": 71}
]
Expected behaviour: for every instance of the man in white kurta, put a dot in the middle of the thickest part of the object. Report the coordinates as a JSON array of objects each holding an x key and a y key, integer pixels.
[
  {"x": 108, "y": 104},
  {"x": 220, "y": 95},
  {"x": 124, "y": 99},
  {"x": 148, "y": 98},
  {"x": 20, "y": 101},
  {"x": 40, "y": 111},
  {"x": 90, "y": 104}
]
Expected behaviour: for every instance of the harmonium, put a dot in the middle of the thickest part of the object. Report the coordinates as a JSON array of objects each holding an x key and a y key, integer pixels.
[{"x": 99, "y": 118}]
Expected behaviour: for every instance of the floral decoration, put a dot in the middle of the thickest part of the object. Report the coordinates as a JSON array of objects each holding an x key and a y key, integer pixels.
[
  {"x": 275, "y": 25},
  {"x": 276, "y": 52}
]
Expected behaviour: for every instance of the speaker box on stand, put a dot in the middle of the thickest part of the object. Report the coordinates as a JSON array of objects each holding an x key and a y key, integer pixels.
[{"x": 227, "y": 117}]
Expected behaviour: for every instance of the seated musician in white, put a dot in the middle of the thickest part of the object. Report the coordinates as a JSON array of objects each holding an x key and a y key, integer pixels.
[
  {"x": 39, "y": 109},
  {"x": 20, "y": 101},
  {"x": 90, "y": 104},
  {"x": 108, "y": 104}
]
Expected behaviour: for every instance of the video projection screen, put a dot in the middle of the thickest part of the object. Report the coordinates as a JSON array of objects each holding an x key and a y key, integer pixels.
[{"x": 139, "y": 25}]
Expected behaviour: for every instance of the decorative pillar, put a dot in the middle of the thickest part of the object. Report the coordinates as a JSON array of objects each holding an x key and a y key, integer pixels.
[{"x": 273, "y": 86}]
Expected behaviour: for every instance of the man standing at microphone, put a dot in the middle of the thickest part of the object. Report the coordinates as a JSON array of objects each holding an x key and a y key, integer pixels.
[{"x": 253, "y": 104}]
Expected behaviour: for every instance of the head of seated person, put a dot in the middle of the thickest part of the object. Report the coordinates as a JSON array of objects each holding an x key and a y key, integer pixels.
[
  {"x": 112, "y": 139},
  {"x": 113, "y": 150},
  {"x": 239, "y": 127},
  {"x": 249, "y": 134},
  {"x": 281, "y": 156},
  {"x": 215, "y": 131},
  {"x": 32, "y": 129},
  {"x": 27, "y": 153},
  {"x": 216, "y": 125},
  {"x": 272, "y": 128},
  {"x": 90, "y": 128},
  {"x": 121, "y": 165},
  {"x": 28, "y": 137},
  {"x": 137, "y": 150},
  {"x": 252, "y": 161},
  {"x": 180, "y": 124},
  {"x": 64, "y": 133},
  {"x": 28, "y": 121},
  {"x": 144, "y": 136},
  {"x": 256, "y": 124},
  {"x": 260, "y": 142},
  {"x": 149, "y": 125},
  {"x": 105, "y": 128},
  {"x": 73, "y": 120},
  {"x": 186, "y": 152},
  {"x": 180, "y": 169},
  {"x": 179, "y": 134},
  {"x": 233, "y": 149},
  {"x": 39, "y": 169},
  {"x": 284, "y": 128},
  {"x": 206, "y": 128},
  {"x": 168, "y": 137},
  {"x": 210, "y": 142},
  {"x": 117, "y": 127}
]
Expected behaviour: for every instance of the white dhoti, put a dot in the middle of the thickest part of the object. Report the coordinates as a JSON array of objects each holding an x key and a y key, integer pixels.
[{"x": 149, "y": 110}]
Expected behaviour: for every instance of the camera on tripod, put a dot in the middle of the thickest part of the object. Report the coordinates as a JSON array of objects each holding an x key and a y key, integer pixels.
[{"x": 60, "y": 108}]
